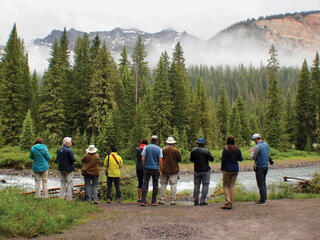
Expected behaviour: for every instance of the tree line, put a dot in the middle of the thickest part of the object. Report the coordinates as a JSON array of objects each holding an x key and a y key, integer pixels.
[{"x": 96, "y": 100}]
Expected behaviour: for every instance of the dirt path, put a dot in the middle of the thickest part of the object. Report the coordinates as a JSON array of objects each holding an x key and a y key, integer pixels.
[{"x": 278, "y": 219}]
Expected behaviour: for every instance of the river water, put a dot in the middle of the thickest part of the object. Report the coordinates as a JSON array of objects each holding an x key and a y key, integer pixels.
[{"x": 185, "y": 183}]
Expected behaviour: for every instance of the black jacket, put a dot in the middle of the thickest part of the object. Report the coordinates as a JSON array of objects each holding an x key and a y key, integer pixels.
[
  {"x": 65, "y": 159},
  {"x": 200, "y": 157}
]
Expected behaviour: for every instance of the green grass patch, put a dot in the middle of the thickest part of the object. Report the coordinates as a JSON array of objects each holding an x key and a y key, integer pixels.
[{"x": 23, "y": 215}]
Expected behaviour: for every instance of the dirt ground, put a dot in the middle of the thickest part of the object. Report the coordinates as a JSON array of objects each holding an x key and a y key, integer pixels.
[{"x": 278, "y": 219}]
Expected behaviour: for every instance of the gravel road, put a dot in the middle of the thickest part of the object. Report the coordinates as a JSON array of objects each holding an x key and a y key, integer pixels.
[{"x": 278, "y": 219}]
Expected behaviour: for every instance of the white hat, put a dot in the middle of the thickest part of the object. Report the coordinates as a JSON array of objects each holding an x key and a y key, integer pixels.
[
  {"x": 91, "y": 149},
  {"x": 170, "y": 140},
  {"x": 256, "y": 135}
]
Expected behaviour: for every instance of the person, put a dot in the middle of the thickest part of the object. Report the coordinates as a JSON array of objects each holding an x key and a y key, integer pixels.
[
  {"x": 152, "y": 167},
  {"x": 170, "y": 169},
  {"x": 201, "y": 156},
  {"x": 40, "y": 155},
  {"x": 113, "y": 164},
  {"x": 139, "y": 168},
  {"x": 231, "y": 154},
  {"x": 90, "y": 172},
  {"x": 66, "y": 159},
  {"x": 260, "y": 155}
]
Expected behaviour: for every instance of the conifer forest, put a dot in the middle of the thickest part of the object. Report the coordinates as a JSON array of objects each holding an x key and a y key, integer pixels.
[{"x": 97, "y": 100}]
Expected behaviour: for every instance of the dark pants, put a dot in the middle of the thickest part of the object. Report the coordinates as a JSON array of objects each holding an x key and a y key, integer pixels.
[
  {"x": 147, "y": 174},
  {"x": 116, "y": 181},
  {"x": 261, "y": 174},
  {"x": 91, "y": 187},
  {"x": 204, "y": 178},
  {"x": 140, "y": 177}
]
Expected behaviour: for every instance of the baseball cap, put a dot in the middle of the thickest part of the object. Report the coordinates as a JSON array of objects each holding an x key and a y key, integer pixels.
[
  {"x": 256, "y": 135},
  {"x": 201, "y": 140}
]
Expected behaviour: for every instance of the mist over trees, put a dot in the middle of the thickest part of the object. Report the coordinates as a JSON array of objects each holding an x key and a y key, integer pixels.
[{"x": 98, "y": 101}]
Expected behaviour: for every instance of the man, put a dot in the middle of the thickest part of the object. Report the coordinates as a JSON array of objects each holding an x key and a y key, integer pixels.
[
  {"x": 260, "y": 155},
  {"x": 152, "y": 167},
  {"x": 66, "y": 159},
  {"x": 113, "y": 164},
  {"x": 139, "y": 168},
  {"x": 201, "y": 156},
  {"x": 170, "y": 169}
]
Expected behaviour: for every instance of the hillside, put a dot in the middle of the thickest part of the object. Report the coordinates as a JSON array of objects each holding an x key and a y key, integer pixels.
[{"x": 298, "y": 32}]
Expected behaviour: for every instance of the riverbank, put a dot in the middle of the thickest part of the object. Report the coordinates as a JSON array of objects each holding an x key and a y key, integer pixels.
[{"x": 185, "y": 169}]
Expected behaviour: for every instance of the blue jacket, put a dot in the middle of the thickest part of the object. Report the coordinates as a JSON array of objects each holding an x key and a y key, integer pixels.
[
  {"x": 229, "y": 162},
  {"x": 261, "y": 154},
  {"x": 40, "y": 155},
  {"x": 65, "y": 159}
]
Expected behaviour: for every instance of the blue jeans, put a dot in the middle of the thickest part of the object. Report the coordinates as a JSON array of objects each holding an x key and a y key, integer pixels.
[
  {"x": 261, "y": 175},
  {"x": 204, "y": 178},
  {"x": 91, "y": 187},
  {"x": 147, "y": 174}
]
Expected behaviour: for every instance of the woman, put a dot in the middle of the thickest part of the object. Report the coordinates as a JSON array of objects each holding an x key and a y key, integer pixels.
[
  {"x": 139, "y": 168},
  {"x": 40, "y": 155},
  {"x": 90, "y": 172},
  {"x": 231, "y": 154}
]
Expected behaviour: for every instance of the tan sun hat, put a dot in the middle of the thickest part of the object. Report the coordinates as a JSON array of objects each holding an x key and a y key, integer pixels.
[
  {"x": 91, "y": 149},
  {"x": 170, "y": 140}
]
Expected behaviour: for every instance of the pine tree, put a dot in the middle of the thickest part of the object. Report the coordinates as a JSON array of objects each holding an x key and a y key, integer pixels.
[
  {"x": 35, "y": 102},
  {"x": 102, "y": 90},
  {"x": 272, "y": 128},
  {"x": 27, "y": 136},
  {"x": 178, "y": 84},
  {"x": 13, "y": 105},
  {"x": 94, "y": 49},
  {"x": 79, "y": 96},
  {"x": 289, "y": 127},
  {"x": 126, "y": 98},
  {"x": 203, "y": 108},
  {"x": 51, "y": 109},
  {"x": 161, "y": 103},
  {"x": 222, "y": 115},
  {"x": 302, "y": 108},
  {"x": 315, "y": 78},
  {"x": 140, "y": 69},
  {"x": 245, "y": 135}
]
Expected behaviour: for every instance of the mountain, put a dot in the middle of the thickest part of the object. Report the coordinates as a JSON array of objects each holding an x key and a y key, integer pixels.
[
  {"x": 118, "y": 37},
  {"x": 295, "y": 35}
]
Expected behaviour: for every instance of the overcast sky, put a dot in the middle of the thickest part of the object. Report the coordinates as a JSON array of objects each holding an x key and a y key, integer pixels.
[{"x": 202, "y": 18}]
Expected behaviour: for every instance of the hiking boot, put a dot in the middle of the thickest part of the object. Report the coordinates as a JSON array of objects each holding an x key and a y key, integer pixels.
[
  {"x": 161, "y": 202},
  {"x": 142, "y": 204},
  {"x": 95, "y": 202},
  {"x": 109, "y": 201},
  {"x": 172, "y": 203},
  {"x": 154, "y": 204},
  {"x": 261, "y": 202},
  {"x": 138, "y": 201},
  {"x": 196, "y": 202},
  {"x": 119, "y": 200},
  {"x": 203, "y": 204}
]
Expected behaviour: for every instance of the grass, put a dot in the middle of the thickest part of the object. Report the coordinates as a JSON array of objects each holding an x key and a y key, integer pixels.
[{"x": 23, "y": 215}]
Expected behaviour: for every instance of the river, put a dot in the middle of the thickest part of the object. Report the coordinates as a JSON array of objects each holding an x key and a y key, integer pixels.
[{"x": 247, "y": 179}]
